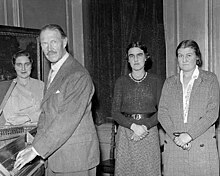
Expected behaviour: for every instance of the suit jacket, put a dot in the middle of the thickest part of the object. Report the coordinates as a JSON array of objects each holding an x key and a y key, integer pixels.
[
  {"x": 202, "y": 158},
  {"x": 66, "y": 133}
]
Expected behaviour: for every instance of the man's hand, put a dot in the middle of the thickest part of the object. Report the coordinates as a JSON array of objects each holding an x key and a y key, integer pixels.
[{"x": 24, "y": 157}]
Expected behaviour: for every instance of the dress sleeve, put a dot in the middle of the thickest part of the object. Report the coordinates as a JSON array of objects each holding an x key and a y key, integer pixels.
[
  {"x": 116, "y": 105},
  {"x": 150, "y": 122}
]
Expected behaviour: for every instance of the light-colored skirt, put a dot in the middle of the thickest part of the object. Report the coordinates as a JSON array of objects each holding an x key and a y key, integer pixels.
[{"x": 137, "y": 158}]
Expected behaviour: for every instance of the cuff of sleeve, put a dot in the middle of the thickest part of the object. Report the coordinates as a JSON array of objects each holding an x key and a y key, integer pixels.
[
  {"x": 35, "y": 151},
  {"x": 148, "y": 125}
]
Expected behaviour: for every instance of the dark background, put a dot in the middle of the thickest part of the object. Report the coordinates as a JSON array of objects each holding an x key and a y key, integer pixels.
[
  {"x": 12, "y": 40},
  {"x": 109, "y": 27}
]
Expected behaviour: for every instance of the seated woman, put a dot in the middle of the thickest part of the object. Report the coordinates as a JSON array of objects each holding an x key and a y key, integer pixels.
[{"x": 23, "y": 104}]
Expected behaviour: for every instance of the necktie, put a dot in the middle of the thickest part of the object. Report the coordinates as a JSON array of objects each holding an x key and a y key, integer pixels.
[{"x": 50, "y": 78}]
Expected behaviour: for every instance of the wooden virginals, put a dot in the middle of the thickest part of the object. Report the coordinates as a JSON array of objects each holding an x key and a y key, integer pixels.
[
  {"x": 11, "y": 132},
  {"x": 8, "y": 156}
]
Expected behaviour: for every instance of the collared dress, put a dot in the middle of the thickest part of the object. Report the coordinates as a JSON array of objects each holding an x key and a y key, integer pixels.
[{"x": 139, "y": 158}]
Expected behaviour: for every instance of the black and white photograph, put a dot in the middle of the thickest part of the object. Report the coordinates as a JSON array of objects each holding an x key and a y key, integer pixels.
[{"x": 109, "y": 88}]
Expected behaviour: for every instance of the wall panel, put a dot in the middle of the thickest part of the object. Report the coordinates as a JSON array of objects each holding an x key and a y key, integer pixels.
[{"x": 35, "y": 14}]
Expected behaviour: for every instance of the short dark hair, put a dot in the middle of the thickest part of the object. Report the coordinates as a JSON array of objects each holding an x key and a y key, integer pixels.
[
  {"x": 139, "y": 44},
  {"x": 191, "y": 44},
  {"x": 21, "y": 53},
  {"x": 54, "y": 27}
]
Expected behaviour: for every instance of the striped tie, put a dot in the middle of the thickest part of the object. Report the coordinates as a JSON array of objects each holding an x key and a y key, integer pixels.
[{"x": 50, "y": 78}]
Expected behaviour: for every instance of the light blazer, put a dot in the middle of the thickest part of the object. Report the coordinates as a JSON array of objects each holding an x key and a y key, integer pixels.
[
  {"x": 203, "y": 113},
  {"x": 66, "y": 133}
]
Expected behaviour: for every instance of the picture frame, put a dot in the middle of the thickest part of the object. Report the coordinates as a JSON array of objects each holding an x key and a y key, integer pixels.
[{"x": 13, "y": 39}]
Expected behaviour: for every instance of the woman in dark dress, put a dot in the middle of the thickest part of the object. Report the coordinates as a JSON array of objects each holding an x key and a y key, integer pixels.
[{"x": 134, "y": 108}]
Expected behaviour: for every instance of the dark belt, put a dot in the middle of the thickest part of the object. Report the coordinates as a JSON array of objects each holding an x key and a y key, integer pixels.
[{"x": 139, "y": 116}]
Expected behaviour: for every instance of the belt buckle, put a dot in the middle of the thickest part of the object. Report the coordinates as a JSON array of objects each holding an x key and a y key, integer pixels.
[{"x": 137, "y": 116}]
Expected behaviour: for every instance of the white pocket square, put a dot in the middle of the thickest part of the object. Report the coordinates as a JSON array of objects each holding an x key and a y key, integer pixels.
[{"x": 57, "y": 91}]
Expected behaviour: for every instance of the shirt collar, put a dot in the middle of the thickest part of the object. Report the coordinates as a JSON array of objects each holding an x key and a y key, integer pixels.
[
  {"x": 57, "y": 65},
  {"x": 195, "y": 74}
]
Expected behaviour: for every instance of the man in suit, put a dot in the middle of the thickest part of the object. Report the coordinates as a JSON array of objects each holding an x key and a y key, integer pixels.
[{"x": 66, "y": 134}]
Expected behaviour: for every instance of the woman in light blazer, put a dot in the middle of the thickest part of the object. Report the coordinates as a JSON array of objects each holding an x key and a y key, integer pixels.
[{"x": 188, "y": 110}]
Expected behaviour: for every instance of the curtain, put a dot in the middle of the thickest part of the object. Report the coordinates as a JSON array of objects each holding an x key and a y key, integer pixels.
[{"x": 110, "y": 27}]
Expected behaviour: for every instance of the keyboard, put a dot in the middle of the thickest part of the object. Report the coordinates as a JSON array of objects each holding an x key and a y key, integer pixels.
[{"x": 9, "y": 132}]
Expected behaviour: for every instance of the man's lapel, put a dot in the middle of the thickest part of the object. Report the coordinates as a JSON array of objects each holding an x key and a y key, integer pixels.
[{"x": 57, "y": 81}]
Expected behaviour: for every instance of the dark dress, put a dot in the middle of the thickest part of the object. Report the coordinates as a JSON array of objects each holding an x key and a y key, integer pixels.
[{"x": 137, "y": 157}]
